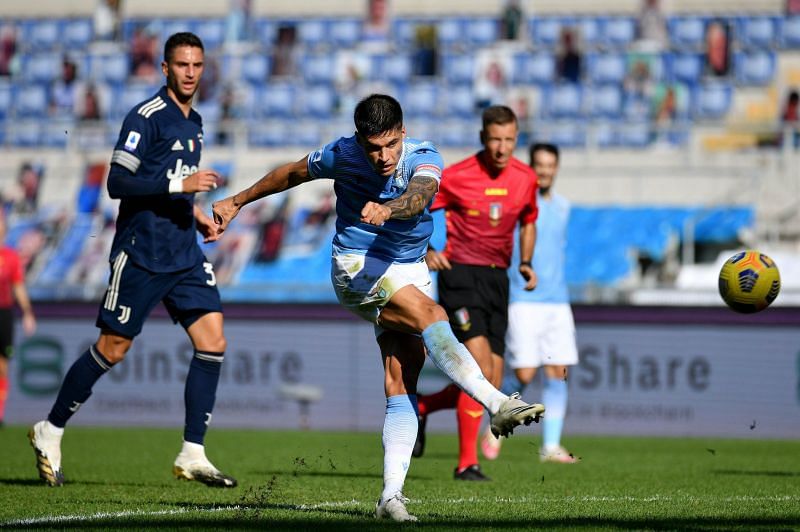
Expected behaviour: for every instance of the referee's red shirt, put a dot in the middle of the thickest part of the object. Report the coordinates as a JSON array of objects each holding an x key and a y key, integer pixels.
[
  {"x": 10, "y": 274},
  {"x": 482, "y": 210}
]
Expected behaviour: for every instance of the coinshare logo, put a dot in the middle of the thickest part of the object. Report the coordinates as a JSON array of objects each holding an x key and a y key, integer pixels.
[{"x": 41, "y": 365}]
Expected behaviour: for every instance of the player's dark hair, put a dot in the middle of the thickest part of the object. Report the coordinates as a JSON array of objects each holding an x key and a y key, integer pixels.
[
  {"x": 498, "y": 114},
  {"x": 183, "y": 38},
  {"x": 377, "y": 114},
  {"x": 543, "y": 146}
]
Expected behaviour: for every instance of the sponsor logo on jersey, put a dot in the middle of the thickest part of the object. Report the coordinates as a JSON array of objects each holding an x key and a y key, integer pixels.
[
  {"x": 133, "y": 140},
  {"x": 181, "y": 170},
  {"x": 177, "y": 146},
  {"x": 495, "y": 213},
  {"x": 496, "y": 192}
]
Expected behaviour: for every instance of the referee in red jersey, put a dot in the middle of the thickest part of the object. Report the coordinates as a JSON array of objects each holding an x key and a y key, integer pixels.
[{"x": 484, "y": 197}]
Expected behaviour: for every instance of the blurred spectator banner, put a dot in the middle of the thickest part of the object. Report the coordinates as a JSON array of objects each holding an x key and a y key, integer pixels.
[{"x": 670, "y": 380}]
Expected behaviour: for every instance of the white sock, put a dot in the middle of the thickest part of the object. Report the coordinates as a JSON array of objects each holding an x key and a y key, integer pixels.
[
  {"x": 52, "y": 430},
  {"x": 399, "y": 435},
  {"x": 193, "y": 450},
  {"x": 455, "y": 360}
]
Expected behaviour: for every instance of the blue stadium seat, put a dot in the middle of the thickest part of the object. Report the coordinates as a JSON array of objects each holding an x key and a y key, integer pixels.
[
  {"x": 269, "y": 133},
  {"x": 131, "y": 95},
  {"x": 545, "y": 31},
  {"x": 6, "y": 97},
  {"x": 458, "y": 69},
  {"x": 634, "y": 134},
  {"x": 30, "y": 101},
  {"x": 459, "y": 102},
  {"x": 458, "y": 133},
  {"x": 420, "y": 100},
  {"x": 78, "y": 33},
  {"x": 312, "y": 32},
  {"x": 171, "y": 26},
  {"x": 266, "y": 30},
  {"x": 687, "y": 68},
  {"x": 111, "y": 68},
  {"x": 317, "y": 101},
  {"x": 687, "y": 33},
  {"x": 25, "y": 133},
  {"x": 306, "y": 133},
  {"x": 537, "y": 68},
  {"x": 605, "y": 101},
  {"x": 790, "y": 32},
  {"x": 56, "y": 132},
  {"x": 211, "y": 31},
  {"x": 569, "y": 134},
  {"x": 755, "y": 68},
  {"x": 591, "y": 31},
  {"x": 563, "y": 101},
  {"x": 276, "y": 100},
  {"x": 43, "y": 67},
  {"x": 345, "y": 32},
  {"x": 403, "y": 31},
  {"x": 40, "y": 34},
  {"x": 450, "y": 31},
  {"x": 619, "y": 32},
  {"x": 482, "y": 31},
  {"x": 712, "y": 101},
  {"x": 606, "y": 67},
  {"x": 255, "y": 68},
  {"x": 757, "y": 32},
  {"x": 393, "y": 68},
  {"x": 318, "y": 68}
]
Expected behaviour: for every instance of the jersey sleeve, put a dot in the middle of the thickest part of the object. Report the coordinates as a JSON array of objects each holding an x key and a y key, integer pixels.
[
  {"x": 17, "y": 274},
  {"x": 426, "y": 161},
  {"x": 137, "y": 134},
  {"x": 530, "y": 213},
  {"x": 322, "y": 162}
]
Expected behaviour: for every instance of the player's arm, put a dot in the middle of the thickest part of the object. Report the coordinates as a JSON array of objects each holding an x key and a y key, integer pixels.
[
  {"x": 24, "y": 302},
  {"x": 282, "y": 178},
  {"x": 527, "y": 243},
  {"x": 122, "y": 182},
  {"x": 420, "y": 191}
]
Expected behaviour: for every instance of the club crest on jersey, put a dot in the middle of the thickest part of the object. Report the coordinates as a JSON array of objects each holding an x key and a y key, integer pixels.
[
  {"x": 181, "y": 170},
  {"x": 495, "y": 213},
  {"x": 133, "y": 140},
  {"x": 462, "y": 319}
]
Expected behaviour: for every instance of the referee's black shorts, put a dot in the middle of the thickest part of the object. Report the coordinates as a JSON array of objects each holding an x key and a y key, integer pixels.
[
  {"x": 6, "y": 332},
  {"x": 476, "y": 301}
]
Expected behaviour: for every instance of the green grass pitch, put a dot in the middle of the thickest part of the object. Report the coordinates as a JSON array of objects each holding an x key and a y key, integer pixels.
[{"x": 121, "y": 478}]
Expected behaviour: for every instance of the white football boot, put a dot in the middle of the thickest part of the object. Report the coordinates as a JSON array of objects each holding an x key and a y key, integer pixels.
[{"x": 46, "y": 442}]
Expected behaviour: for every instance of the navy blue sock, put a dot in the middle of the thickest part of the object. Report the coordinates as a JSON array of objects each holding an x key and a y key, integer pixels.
[
  {"x": 77, "y": 385},
  {"x": 200, "y": 393}
]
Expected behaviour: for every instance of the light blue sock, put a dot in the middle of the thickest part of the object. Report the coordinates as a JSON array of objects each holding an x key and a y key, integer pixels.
[
  {"x": 453, "y": 358},
  {"x": 511, "y": 384},
  {"x": 554, "y": 397},
  {"x": 399, "y": 435}
]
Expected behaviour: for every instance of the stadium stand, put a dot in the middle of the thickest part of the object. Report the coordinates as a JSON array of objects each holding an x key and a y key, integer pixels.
[{"x": 634, "y": 106}]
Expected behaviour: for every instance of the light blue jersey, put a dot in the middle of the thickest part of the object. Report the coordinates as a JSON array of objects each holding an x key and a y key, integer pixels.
[
  {"x": 549, "y": 257},
  {"x": 356, "y": 183}
]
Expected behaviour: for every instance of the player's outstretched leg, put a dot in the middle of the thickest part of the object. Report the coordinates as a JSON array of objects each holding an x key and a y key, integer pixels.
[
  {"x": 192, "y": 464},
  {"x": 456, "y": 362},
  {"x": 45, "y": 439}
]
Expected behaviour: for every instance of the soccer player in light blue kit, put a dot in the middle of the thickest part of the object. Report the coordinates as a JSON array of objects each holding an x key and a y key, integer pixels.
[
  {"x": 541, "y": 329},
  {"x": 384, "y": 185}
]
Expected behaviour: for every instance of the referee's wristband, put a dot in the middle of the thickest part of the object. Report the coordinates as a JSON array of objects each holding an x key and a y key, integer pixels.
[
  {"x": 176, "y": 186},
  {"x": 525, "y": 263}
]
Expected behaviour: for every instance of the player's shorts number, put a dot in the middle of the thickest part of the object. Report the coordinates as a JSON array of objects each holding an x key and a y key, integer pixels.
[{"x": 209, "y": 268}]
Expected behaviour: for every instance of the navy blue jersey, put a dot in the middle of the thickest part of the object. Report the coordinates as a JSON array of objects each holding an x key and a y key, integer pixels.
[{"x": 157, "y": 143}]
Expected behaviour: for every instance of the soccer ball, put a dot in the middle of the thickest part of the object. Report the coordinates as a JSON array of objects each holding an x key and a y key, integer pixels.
[{"x": 749, "y": 281}]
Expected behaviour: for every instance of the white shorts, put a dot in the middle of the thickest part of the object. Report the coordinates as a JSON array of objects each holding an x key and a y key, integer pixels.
[
  {"x": 364, "y": 285},
  {"x": 540, "y": 334}
]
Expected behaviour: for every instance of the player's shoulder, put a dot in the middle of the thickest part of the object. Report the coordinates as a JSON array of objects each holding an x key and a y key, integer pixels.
[
  {"x": 418, "y": 146},
  {"x": 150, "y": 108},
  {"x": 522, "y": 168}
]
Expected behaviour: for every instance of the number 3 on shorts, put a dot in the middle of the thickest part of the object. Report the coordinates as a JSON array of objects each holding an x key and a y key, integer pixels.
[{"x": 209, "y": 268}]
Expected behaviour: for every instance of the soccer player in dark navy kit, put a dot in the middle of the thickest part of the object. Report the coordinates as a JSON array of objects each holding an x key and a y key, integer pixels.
[{"x": 155, "y": 257}]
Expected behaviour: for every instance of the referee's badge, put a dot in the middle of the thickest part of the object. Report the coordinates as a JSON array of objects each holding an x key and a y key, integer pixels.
[
  {"x": 495, "y": 213},
  {"x": 462, "y": 319}
]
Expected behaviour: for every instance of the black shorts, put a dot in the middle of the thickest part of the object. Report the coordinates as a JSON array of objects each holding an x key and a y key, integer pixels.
[
  {"x": 6, "y": 332},
  {"x": 133, "y": 293},
  {"x": 476, "y": 301}
]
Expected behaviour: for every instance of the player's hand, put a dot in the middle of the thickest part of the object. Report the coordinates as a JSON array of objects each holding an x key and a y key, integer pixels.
[
  {"x": 206, "y": 226},
  {"x": 200, "y": 181},
  {"x": 224, "y": 211},
  {"x": 437, "y": 261},
  {"x": 28, "y": 323},
  {"x": 375, "y": 213},
  {"x": 529, "y": 275}
]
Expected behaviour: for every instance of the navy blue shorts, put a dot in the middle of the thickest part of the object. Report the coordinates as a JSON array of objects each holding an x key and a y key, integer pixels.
[{"x": 133, "y": 293}]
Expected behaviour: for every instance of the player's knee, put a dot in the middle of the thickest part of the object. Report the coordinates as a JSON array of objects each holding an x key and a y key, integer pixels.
[
  {"x": 216, "y": 345},
  {"x": 436, "y": 313}
]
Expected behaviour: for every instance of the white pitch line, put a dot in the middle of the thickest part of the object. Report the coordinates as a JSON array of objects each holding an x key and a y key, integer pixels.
[{"x": 33, "y": 521}]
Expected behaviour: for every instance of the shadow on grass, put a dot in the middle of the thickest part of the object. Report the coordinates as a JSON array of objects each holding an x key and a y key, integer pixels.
[
  {"x": 757, "y": 473},
  {"x": 332, "y": 474},
  {"x": 69, "y": 482}
]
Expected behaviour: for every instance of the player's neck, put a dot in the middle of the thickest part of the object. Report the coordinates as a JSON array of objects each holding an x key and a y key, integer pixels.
[{"x": 185, "y": 107}]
